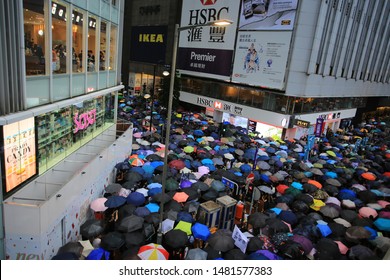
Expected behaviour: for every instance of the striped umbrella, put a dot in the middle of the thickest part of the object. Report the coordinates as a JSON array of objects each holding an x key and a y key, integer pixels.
[
  {"x": 153, "y": 251},
  {"x": 136, "y": 161}
]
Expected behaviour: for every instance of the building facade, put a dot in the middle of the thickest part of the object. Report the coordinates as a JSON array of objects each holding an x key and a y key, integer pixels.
[
  {"x": 280, "y": 68},
  {"x": 60, "y": 78}
]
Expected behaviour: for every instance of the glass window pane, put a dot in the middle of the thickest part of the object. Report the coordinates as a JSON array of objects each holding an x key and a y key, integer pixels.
[
  {"x": 59, "y": 43},
  {"x": 77, "y": 41},
  {"x": 103, "y": 44},
  {"x": 34, "y": 37},
  {"x": 113, "y": 41},
  {"x": 91, "y": 44}
]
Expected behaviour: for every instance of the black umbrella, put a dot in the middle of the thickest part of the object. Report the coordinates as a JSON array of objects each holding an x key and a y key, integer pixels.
[
  {"x": 234, "y": 254},
  {"x": 258, "y": 220},
  {"x": 153, "y": 218},
  {"x": 113, "y": 188},
  {"x": 363, "y": 222},
  {"x": 221, "y": 242},
  {"x": 135, "y": 238},
  {"x": 161, "y": 198},
  {"x": 71, "y": 247},
  {"x": 130, "y": 223},
  {"x": 112, "y": 241},
  {"x": 192, "y": 193},
  {"x": 338, "y": 230},
  {"x": 134, "y": 177},
  {"x": 212, "y": 254},
  {"x": 176, "y": 239},
  {"x": 173, "y": 205},
  {"x": 276, "y": 225},
  {"x": 126, "y": 210},
  {"x": 327, "y": 249},
  {"x": 356, "y": 233},
  {"x": 348, "y": 215},
  {"x": 200, "y": 186},
  {"x": 254, "y": 244},
  {"x": 360, "y": 252},
  {"x": 92, "y": 228}
]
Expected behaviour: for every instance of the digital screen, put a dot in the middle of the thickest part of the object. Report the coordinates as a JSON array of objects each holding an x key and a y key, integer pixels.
[{"x": 19, "y": 152}]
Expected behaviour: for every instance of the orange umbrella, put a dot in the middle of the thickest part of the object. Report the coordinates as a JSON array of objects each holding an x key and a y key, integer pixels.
[
  {"x": 387, "y": 174},
  {"x": 133, "y": 156},
  {"x": 369, "y": 176},
  {"x": 180, "y": 197},
  {"x": 136, "y": 161},
  {"x": 281, "y": 188},
  {"x": 315, "y": 183}
]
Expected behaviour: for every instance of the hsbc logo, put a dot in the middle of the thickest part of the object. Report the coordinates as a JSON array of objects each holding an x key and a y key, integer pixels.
[
  {"x": 217, "y": 105},
  {"x": 208, "y": 2}
]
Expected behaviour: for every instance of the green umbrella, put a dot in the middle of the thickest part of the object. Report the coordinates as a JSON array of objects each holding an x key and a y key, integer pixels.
[
  {"x": 188, "y": 149},
  {"x": 171, "y": 185},
  {"x": 184, "y": 226}
]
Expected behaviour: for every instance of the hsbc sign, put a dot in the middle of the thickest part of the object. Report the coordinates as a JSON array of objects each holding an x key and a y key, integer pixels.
[{"x": 219, "y": 105}]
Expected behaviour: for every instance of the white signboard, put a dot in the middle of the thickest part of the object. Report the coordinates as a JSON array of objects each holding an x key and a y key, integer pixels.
[
  {"x": 261, "y": 58},
  {"x": 207, "y": 50},
  {"x": 267, "y": 14},
  {"x": 240, "y": 239}
]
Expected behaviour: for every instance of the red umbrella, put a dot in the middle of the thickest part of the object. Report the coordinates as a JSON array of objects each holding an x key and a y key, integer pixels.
[
  {"x": 153, "y": 251},
  {"x": 315, "y": 183},
  {"x": 369, "y": 176},
  {"x": 177, "y": 164}
]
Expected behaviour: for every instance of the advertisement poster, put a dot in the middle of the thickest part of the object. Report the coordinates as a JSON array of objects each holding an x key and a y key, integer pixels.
[
  {"x": 19, "y": 152},
  {"x": 207, "y": 50},
  {"x": 267, "y": 14},
  {"x": 261, "y": 58}
]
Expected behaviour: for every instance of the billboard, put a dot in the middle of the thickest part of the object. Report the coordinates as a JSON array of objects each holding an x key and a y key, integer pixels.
[
  {"x": 207, "y": 51},
  {"x": 148, "y": 44},
  {"x": 261, "y": 57},
  {"x": 19, "y": 152},
  {"x": 267, "y": 14}
]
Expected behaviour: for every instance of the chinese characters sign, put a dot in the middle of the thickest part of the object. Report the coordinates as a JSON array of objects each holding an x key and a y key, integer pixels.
[
  {"x": 207, "y": 49},
  {"x": 19, "y": 152}
]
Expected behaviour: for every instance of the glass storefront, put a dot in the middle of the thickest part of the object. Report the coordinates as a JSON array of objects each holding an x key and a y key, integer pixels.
[
  {"x": 266, "y": 100},
  {"x": 72, "y": 56},
  {"x": 62, "y": 132}
]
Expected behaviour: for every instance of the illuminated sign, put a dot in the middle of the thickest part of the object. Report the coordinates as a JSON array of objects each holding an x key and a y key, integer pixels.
[
  {"x": 19, "y": 152},
  {"x": 219, "y": 105},
  {"x": 151, "y": 38},
  {"x": 84, "y": 120},
  {"x": 302, "y": 123}
]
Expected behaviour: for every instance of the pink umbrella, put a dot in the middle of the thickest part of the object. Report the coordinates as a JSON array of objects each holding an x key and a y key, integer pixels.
[
  {"x": 98, "y": 204},
  {"x": 383, "y": 203},
  {"x": 203, "y": 170},
  {"x": 137, "y": 134},
  {"x": 343, "y": 249},
  {"x": 366, "y": 212}
]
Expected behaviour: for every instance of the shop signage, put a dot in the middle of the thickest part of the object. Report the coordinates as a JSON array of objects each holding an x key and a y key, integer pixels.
[
  {"x": 318, "y": 127},
  {"x": 252, "y": 126},
  {"x": 302, "y": 123},
  {"x": 149, "y": 10},
  {"x": 84, "y": 120},
  {"x": 330, "y": 116},
  {"x": 19, "y": 152},
  {"x": 219, "y": 105}
]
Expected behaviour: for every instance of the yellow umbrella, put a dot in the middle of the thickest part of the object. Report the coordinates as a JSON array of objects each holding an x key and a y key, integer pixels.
[
  {"x": 331, "y": 153},
  {"x": 184, "y": 226},
  {"x": 317, "y": 204}
]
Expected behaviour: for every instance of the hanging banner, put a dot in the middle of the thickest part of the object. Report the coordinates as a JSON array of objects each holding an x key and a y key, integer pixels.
[{"x": 318, "y": 127}]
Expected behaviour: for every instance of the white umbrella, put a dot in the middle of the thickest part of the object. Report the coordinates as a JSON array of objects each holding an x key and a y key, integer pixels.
[
  {"x": 143, "y": 191},
  {"x": 167, "y": 225},
  {"x": 228, "y": 156}
]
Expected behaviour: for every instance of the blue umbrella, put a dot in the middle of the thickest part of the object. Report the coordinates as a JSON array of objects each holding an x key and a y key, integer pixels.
[
  {"x": 157, "y": 163},
  {"x": 154, "y": 185},
  {"x": 198, "y": 133},
  {"x": 98, "y": 254},
  {"x": 114, "y": 201},
  {"x": 324, "y": 229},
  {"x": 142, "y": 212},
  {"x": 297, "y": 185},
  {"x": 154, "y": 191},
  {"x": 153, "y": 207},
  {"x": 245, "y": 168},
  {"x": 138, "y": 169},
  {"x": 184, "y": 216},
  {"x": 218, "y": 186},
  {"x": 331, "y": 174},
  {"x": 135, "y": 198},
  {"x": 382, "y": 224},
  {"x": 207, "y": 161},
  {"x": 200, "y": 231}
]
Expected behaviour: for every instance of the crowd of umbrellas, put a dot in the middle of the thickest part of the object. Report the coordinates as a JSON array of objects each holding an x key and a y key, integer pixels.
[{"x": 335, "y": 205}]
